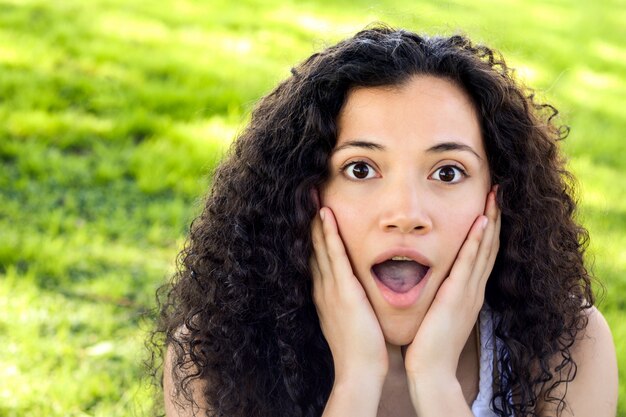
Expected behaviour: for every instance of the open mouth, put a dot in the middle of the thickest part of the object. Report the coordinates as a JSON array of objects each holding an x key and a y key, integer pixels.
[{"x": 400, "y": 273}]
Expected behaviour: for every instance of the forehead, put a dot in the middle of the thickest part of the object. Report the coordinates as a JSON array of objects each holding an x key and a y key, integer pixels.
[{"x": 425, "y": 109}]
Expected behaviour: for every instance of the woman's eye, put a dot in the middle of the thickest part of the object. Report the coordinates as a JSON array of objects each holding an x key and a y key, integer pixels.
[
  {"x": 359, "y": 170},
  {"x": 449, "y": 174}
]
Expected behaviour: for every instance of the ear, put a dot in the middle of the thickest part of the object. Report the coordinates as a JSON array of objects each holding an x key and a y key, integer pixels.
[
  {"x": 315, "y": 195},
  {"x": 494, "y": 190}
]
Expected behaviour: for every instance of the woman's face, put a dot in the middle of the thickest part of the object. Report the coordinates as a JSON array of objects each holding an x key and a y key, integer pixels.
[{"x": 408, "y": 178}]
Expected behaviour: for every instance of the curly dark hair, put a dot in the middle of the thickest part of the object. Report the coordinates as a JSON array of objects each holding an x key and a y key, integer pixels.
[{"x": 239, "y": 313}]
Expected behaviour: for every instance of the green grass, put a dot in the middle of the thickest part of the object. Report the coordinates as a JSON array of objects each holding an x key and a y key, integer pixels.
[{"x": 113, "y": 113}]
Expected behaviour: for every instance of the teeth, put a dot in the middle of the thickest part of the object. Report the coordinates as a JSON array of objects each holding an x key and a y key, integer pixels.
[{"x": 401, "y": 258}]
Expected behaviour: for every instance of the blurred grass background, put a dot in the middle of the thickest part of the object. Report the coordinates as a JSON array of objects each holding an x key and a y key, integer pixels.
[{"x": 114, "y": 112}]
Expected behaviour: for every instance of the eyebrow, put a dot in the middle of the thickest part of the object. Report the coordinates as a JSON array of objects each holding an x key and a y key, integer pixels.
[
  {"x": 438, "y": 148},
  {"x": 452, "y": 146},
  {"x": 360, "y": 144}
]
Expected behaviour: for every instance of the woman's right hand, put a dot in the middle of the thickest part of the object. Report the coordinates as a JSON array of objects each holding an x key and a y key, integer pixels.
[{"x": 346, "y": 316}]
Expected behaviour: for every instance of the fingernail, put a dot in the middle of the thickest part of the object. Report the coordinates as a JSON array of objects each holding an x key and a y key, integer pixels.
[
  {"x": 322, "y": 214},
  {"x": 483, "y": 222}
]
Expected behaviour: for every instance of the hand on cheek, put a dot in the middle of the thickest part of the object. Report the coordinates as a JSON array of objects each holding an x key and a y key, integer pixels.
[
  {"x": 437, "y": 346},
  {"x": 346, "y": 316}
]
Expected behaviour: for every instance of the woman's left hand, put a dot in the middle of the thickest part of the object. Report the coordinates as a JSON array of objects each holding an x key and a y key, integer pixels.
[{"x": 433, "y": 355}]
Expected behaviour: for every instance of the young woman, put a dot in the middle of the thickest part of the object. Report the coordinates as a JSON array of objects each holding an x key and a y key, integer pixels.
[{"x": 392, "y": 235}]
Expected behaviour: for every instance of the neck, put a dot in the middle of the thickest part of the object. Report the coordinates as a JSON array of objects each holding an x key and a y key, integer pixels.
[
  {"x": 396, "y": 359},
  {"x": 395, "y": 399}
]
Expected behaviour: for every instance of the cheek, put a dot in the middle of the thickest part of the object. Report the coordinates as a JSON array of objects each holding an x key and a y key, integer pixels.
[
  {"x": 350, "y": 224},
  {"x": 351, "y": 221},
  {"x": 457, "y": 225},
  {"x": 343, "y": 209}
]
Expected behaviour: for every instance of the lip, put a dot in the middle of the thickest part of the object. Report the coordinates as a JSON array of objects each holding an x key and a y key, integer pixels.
[
  {"x": 408, "y": 252},
  {"x": 402, "y": 300}
]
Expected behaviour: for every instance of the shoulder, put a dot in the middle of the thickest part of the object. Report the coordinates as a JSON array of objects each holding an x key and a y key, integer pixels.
[
  {"x": 177, "y": 403},
  {"x": 594, "y": 388}
]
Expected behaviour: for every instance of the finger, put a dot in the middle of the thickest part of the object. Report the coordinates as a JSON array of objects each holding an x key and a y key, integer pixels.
[
  {"x": 486, "y": 244},
  {"x": 314, "y": 268},
  {"x": 489, "y": 269},
  {"x": 318, "y": 290},
  {"x": 488, "y": 248},
  {"x": 497, "y": 219},
  {"x": 316, "y": 276},
  {"x": 464, "y": 263},
  {"x": 476, "y": 250},
  {"x": 319, "y": 249},
  {"x": 493, "y": 212},
  {"x": 336, "y": 250},
  {"x": 317, "y": 235},
  {"x": 498, "y": 228}
]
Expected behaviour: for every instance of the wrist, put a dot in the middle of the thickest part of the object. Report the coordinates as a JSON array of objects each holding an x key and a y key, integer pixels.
[
  {"x": 353, "y": 395},
  {"x": 363, "y": 377},
  {"x": 356, "y": 371},
  {"x": 437, "y": 388}
]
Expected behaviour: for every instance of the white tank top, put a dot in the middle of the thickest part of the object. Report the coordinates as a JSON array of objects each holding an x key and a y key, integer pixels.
[{"x": 488, "y": 344}]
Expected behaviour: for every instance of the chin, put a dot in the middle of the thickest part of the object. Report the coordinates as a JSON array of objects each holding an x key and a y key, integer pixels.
[
  {"x": 399, "y": 340},
  {"x": 400, "y": 335}
]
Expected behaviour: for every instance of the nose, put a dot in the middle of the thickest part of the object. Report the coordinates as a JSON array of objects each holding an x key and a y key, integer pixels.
[{"x": 405, "y": 209}]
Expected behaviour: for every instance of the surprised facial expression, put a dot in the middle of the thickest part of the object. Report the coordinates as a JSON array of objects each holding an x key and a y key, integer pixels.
[{"x": 408, "y": 178}]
